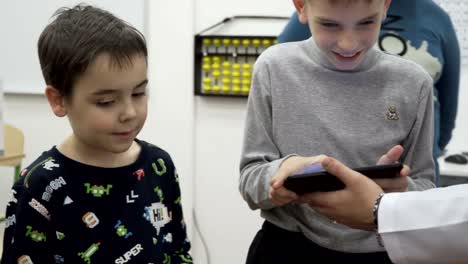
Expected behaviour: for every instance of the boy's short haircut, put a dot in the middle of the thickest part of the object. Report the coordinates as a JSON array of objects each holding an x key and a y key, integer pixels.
[{"x": 77, "y": 36}]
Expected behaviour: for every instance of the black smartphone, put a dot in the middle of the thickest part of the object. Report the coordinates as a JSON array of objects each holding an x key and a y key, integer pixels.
[{"x": 315, "y": 179}]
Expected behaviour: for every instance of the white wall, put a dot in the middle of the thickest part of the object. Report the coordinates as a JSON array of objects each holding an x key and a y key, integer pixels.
[
  {"x": 209, "y": 12},
  {"x": 203, "y": 135},
  {"x": 23, "y": 36},
  {"x": 460, "y": 134}
]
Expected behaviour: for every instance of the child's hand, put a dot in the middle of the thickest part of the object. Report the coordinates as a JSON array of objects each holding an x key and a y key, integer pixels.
[
  {"x": 280, "y": 195},
  {"x": 352, "y": 206},
  {"x": 399, "y": 184}
]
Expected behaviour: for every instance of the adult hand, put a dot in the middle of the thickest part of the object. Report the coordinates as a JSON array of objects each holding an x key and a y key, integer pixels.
[
  {"x": 398, "y": 184},
  {"x": 278, "y": 194},
  {"x": 352, "y": 206}
]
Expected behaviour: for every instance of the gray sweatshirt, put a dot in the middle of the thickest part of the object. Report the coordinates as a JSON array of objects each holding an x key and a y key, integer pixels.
[{"x": 300, "y": 105}]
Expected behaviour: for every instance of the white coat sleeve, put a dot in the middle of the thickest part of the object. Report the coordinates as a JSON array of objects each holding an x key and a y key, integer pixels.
[{"x": 426, "y": 227}]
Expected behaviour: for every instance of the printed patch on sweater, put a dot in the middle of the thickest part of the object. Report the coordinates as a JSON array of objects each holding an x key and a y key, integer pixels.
[{"x": 392, "y": 113}]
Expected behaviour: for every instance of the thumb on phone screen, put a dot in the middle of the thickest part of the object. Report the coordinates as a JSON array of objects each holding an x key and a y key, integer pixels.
[
  {"x": 341, "y": 171},
  {"x": 392, "y": 156}
]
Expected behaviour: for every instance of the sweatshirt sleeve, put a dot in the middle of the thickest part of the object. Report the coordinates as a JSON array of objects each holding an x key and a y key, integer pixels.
[
  {"x": 28, "y": 235},
  {"x": 419, "y": 143},
  {"x": 181, "y": 246},
  {"x": 260, "y": 157},
  {"x": 448, "y": 85}
]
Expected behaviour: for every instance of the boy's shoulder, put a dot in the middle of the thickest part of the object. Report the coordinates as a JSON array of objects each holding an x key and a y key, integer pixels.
[
  {"x": 396, "y": 64},
  {"x": 43, "y": 176},
  {"x": 156, "y": 157},
  {"x": 154, "y": 152}
]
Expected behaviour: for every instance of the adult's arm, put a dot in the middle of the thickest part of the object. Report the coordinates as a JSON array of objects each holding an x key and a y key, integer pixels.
[
  {"x": 448, "y": 84},
  {"x": 426, "y": 227}
]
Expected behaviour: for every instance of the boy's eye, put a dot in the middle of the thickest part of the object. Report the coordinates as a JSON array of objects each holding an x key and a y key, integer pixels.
[
  {"x": 329, "y": 25},
  {"x": 367, "y": 22},
  {"x": 139, "y": 94},
  {"x": 104, "y": 103}
]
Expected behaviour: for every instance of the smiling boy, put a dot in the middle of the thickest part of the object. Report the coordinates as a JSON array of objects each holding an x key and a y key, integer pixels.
[{"x": 335, "y": 95}]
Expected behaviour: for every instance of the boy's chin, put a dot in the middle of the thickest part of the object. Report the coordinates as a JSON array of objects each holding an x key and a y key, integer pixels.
[{"x": 121, "y": 148}]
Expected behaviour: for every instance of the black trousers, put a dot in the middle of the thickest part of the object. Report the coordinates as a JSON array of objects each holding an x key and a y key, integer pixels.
[{"x": 274, "y": 245}]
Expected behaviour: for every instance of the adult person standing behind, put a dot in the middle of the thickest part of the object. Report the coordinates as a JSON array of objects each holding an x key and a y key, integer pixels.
[{"x": 421, "y": 31}]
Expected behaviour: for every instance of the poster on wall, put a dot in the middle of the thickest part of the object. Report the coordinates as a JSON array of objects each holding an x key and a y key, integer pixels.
[{"x": 458, "y": 11}]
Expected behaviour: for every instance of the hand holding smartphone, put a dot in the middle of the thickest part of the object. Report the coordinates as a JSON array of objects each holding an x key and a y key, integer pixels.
[{"x": 314, "y": 178}]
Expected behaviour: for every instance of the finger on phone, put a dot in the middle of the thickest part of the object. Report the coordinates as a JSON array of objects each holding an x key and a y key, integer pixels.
[
  {"x": 405, "y": 172},
  {"x": 283, "y": 193},
  {"x": 342, "y": 172},
  {"x": 278, "y": 180},
  {"x": 393, "y": 155}
]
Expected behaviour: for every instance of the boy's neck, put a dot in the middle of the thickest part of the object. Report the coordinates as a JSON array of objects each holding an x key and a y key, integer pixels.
[{"x": 76, "y": 150}]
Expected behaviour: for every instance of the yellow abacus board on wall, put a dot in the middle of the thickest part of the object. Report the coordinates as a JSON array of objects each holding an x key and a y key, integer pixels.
[
  {"x": 224, "y": 58},
  {"x": 224, "y": 64}
]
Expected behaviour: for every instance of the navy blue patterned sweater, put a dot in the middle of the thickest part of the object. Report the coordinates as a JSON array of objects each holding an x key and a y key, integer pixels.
[{"x": 63, "y": 211}]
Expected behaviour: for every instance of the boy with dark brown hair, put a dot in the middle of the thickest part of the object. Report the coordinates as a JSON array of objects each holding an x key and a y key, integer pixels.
[{"x": 101, "y": 195}]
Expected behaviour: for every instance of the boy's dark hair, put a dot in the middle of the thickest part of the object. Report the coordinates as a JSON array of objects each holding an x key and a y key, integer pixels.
[{"x": 77, "y": 36}]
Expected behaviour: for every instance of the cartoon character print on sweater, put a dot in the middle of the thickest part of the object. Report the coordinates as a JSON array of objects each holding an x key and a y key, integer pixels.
[
  {"x": 88, "y": 253},
  {"x": 13, "y": 198},
  {"x": 24, "y": 260},
  {"x": 59, "y": 259},
  {"x": 97, "y": 190},
  {"x": 162, "y": 164},
  {"x": 90, "y": 220},
  {"x": 159, "y": 193},
  {"x": 50, "y": 165},
  {"x": 140, "y": 173},
  {"x": 158, "y": 215},
  {"x": 121, "y": 230},
  {"x": 47, "y": 164},
  {"x": 183, "y": 259},
  {"x": 35, "y": 235}
]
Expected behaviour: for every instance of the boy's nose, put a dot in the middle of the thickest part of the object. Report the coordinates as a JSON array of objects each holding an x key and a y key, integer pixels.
[
  {"x": 128, "y": 112},
  {"x": 348, "y": 42}
]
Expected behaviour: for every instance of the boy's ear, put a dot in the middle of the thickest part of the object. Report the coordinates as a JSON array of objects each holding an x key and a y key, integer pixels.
[
  {"x": 56, "y": 101},
  {"x": 301, "y": 10},
  {"x": 386, "y": 6}
]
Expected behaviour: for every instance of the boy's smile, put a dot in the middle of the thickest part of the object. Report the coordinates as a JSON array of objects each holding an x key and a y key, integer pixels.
[
  {"x": 345, "y": 59},
  {"x": 344, "y": 32}
]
